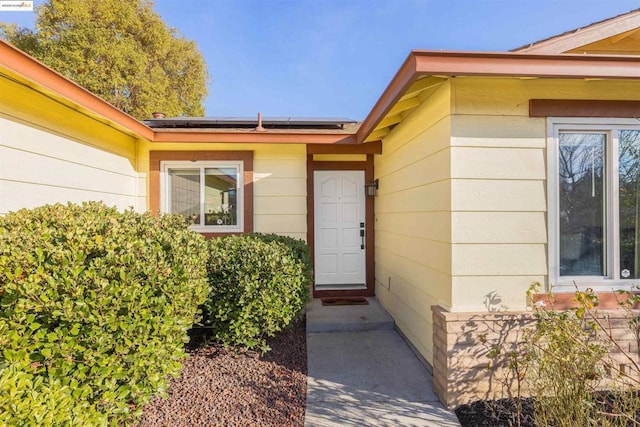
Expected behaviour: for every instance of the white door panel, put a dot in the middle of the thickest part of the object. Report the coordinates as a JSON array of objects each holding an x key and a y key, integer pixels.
[{"x": 340, "y": 257}]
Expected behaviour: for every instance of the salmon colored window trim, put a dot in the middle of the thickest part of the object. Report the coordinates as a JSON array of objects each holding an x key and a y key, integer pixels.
[
  {"x": 156, "y": 157},
  {"x": 567, "y": 300}
]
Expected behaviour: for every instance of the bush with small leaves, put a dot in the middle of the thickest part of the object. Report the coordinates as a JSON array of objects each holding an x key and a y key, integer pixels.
[
  {"x": 95, "y": 306},
  {"x": 258, "y": 285}
]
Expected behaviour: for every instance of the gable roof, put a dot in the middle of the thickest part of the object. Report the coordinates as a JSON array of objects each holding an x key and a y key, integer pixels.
[{"x": 617, "y": 35}]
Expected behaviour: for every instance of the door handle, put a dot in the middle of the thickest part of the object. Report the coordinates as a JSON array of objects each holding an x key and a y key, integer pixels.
[{"x": 362, "y": 237}]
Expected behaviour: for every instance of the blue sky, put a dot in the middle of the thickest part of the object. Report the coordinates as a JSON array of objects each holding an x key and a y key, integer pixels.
[{"x": 333, "y": 58}]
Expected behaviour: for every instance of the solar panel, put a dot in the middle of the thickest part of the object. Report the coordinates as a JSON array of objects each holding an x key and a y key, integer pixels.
[{"x": 241, "y": 122}]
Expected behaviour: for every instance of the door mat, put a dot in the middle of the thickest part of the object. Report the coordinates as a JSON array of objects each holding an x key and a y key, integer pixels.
[{"x": 345, "y": 301}]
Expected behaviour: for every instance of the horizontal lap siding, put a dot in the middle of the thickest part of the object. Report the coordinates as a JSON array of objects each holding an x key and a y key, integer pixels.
[
  {"x": 279, "y": 183},
  {"x": 280, "y": 202},
  {"x": 412, "y": 219},
  {"x": 39, "y": 166},
  {"x": 498, "y": 195},
  {"x": 498, "y": 190}
]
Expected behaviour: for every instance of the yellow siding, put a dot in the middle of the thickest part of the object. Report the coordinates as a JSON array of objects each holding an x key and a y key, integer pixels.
[
  {"x": 280, "y": 183},
  {"x": 499, "y": 194},
  {"x": 498, "y": 163},
  {"x": 413, "y": 234},
  {"x": 53, "y": 165},
  {"x": 25, "y": 105},
  {"x": 510, "y": 97},
  {"x": 498, "y": 227},
  {"x": 499, "y": 259},
  {"x": 461, "y": 209},
  {"x": 492, "y": 293},
  {"x": 498, "y": 191}
]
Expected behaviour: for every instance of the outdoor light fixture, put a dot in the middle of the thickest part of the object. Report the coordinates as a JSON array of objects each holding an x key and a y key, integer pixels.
[{"x": 371, "y": 188}]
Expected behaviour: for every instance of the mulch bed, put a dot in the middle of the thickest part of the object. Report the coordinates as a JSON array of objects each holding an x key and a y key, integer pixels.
[
  {"x": 503, "y": 412},
  {"x": 230, "y": 387},
  {"x": 495, "y": 413}
]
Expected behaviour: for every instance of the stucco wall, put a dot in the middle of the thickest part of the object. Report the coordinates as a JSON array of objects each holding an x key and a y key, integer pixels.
[
  {"x": 279, "y": 187},
  {"x": 43, "y": 166},
  {"x": 413, "y": 220}
]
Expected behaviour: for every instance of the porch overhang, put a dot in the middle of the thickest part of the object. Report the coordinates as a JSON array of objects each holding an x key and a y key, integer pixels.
[{"x": 423, "y": 71}]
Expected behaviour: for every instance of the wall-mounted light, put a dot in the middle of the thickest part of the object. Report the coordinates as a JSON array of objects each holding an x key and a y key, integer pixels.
[{"x": 371, "y": 188}]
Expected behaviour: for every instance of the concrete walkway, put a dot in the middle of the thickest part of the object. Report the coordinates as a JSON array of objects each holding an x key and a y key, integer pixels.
[{"x": 362, "y": 373}]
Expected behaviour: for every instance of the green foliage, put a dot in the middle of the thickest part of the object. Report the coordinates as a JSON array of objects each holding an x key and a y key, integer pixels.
[
  {"x": 122, "y": 51},
  {"x": 565, "y": 358},
  {"x": 565, "y": 368},
  {"x": 95, "y": 307},
  {"x": 258, "y": 285},
  {"x": 299, "y": 249}
]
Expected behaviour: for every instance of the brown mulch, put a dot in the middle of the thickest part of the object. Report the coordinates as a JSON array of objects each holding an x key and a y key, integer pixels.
[{"x": 230, "y": 387}]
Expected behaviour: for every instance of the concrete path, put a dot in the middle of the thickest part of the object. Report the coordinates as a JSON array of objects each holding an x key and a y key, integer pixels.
[{"x": 362, "y": 373}]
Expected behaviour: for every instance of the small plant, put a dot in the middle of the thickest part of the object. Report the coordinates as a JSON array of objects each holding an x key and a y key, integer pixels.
[
  {"x": 258, "y": 285},
  {"x": 570, "y": 363},
  {"x": 512, "y": 362},
  {"x": 95, "y": 305},
  {"x": 565, "y": 366}
]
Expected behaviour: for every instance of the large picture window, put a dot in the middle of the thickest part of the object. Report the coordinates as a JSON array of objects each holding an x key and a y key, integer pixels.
[
  {"x": 594, "y": 204},
  {"x": 207, "y": 194}
]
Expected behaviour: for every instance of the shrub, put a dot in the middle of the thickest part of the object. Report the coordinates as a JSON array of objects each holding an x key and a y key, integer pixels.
[
  {"x": 258, "y": 285},
  {"x": 577, "y": 363},
  {"x": 565, "y": 366},
  {"x": 299, "y": 250},
  {"x": 95, "y": 308}
]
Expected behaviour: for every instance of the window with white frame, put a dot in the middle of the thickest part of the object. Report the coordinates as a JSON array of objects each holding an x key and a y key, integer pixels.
[
  {"x": 594, "y": 203},
  {"x": 208, "y": 194}
]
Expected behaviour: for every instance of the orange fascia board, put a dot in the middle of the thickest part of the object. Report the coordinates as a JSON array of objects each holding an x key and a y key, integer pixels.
[
  {"x": 45, "y": 78},
  {"x": 19, "y": 62},
  {"x": 527, "y": 65},
  {"x": 391, "y": 95},
  {"x": 493, "y": 64},
  {"x": 255, "y": 137}
]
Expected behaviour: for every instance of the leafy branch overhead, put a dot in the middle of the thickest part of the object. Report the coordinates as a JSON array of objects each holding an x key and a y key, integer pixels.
[{"x": 122, "y": 51}]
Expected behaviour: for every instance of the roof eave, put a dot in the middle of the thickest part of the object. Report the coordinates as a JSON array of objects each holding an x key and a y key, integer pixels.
[
  {"x": 496, "y": 64},
  {"x": 253, "y": 137},
  {"x": 35, "y": 71}
]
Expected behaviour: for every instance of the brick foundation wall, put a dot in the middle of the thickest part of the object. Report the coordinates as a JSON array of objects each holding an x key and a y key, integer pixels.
[{"x": 462, "y": 343}]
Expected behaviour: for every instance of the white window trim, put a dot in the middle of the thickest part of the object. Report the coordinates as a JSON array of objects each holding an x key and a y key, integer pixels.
[
  {"x": 203, "y": 164},
  {"x": 612, "y": 281}
]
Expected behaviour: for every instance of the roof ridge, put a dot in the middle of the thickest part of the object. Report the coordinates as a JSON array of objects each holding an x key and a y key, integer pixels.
[{"x": 572, "y": 31}]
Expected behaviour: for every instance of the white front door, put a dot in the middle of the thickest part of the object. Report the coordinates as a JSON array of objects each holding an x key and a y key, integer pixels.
[{"x": 339, "y": 216}]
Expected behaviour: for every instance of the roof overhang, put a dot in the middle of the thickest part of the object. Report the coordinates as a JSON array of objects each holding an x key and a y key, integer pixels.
[
  {"x": 22, "y": 68},
  {"x": 424, "y": 69},
  {"x": 253, "y": 137}
]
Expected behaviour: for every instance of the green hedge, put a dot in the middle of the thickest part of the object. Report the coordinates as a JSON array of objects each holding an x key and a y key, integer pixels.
[
  {"x": 95, "y": 309},
  {"x": 258, "y": 285}
]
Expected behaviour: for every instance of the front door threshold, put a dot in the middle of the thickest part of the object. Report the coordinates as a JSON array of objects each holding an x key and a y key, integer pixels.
[
  {"x": 356, "y": 291},
  {"x": 341, "y": 287}
]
